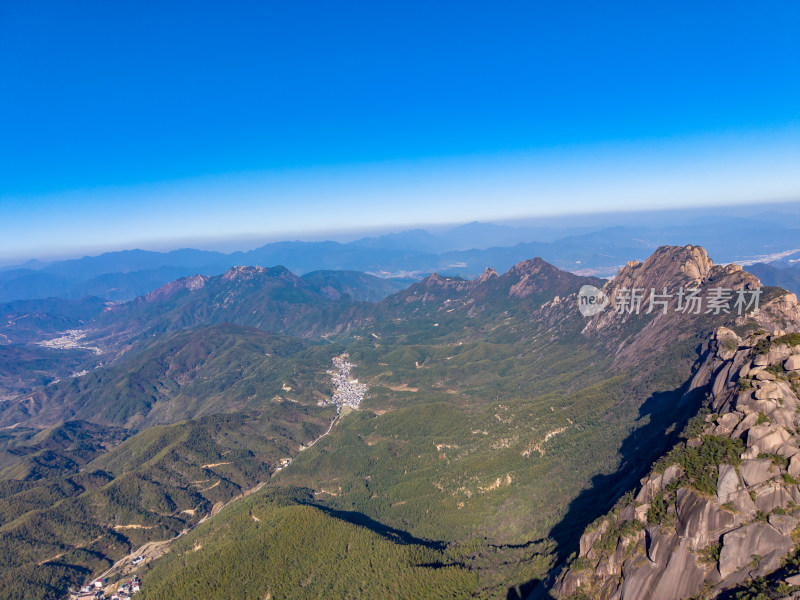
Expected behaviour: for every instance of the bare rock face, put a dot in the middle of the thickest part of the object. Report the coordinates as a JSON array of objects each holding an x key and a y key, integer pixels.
[
  {"x": 651, "y": 486},
  {"x": 741, "y": 547},
  {"x": 678, "y": 578},
  {"x": 588, "y": 539},
  {"x": 792, "y": 363},
  {"x": 700, "y": 520},
  {"x": 748, "y": 520},
  {"x": 785, "y": 524},
  {"x": 769, "y": 437},
  {"x": 697, "y": 265},
  {"x": 743, "y": 503},
  {"x": 192, "y": 283},
  {"x": 757, "y": 471},
  {"x": 772, "y": 495},
  {"x": 727, "y": 483}
]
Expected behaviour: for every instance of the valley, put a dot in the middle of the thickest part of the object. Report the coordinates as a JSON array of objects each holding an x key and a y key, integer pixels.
[{"x": 466, "y": 431}]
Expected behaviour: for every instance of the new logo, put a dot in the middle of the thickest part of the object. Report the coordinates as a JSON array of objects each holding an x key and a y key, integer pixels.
[{"x": 591, "y": 300}]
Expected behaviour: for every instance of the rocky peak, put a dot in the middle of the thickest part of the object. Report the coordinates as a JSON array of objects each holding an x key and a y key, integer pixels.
[
  {"x": 488, "y": 274},
  {"x": 255, "y": 273},
  {"x": 668, "y": 265},
  {"x": 433, "y": 279},
  {"x": 531, "y": 267},
  {"x": 242, "y": 273},
  {"x": 533, "y": 280},
  {"x": 535, "y": 276},
  {"x": 668, "y": 276},
  {"x": 780, "y": 314},
  {"x": 697, "y": 265},
  {"x": 191, "y": 283}
]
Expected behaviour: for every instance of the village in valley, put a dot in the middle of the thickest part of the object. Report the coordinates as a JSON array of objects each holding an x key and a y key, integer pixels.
[{"x": 346, "y": 392}]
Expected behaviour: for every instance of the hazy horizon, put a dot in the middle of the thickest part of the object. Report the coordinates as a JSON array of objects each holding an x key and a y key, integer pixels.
[{"x": 559, "y": 225}]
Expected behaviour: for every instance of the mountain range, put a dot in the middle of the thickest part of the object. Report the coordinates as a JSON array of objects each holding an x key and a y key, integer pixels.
[
  {"x": 589, "y": 248},
  {"x": 499, "y": 423}
]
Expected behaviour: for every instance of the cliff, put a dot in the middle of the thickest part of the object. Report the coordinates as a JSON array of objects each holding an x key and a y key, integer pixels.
[{"x": 718, "y": 515}]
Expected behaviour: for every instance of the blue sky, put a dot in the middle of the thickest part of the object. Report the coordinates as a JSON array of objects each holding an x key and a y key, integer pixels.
[{"x": 149, "y": 123}]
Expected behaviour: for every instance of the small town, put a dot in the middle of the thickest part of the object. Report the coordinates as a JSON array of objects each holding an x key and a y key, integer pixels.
[
  {"x": 70, "y": 339},
  {"x": 346, "y": 391},
  {"x": 96, "y": 590}
]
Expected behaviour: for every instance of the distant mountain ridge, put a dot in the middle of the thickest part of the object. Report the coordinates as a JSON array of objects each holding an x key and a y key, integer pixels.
[{"x": 460, "y": 251}]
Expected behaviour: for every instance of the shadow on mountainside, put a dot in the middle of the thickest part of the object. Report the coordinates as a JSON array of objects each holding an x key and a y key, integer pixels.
[
  {"x": 664, "y": 412},
  {"x": 395, "y": 535}
]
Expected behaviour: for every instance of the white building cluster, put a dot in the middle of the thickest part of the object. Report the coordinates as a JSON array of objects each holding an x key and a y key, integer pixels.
[
  {"x": 346, "y": 391},
  {"x": 95, "y": 590}
]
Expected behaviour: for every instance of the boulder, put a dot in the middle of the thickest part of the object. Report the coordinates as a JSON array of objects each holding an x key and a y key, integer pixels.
[
  {"x": 794, "y": 466},
  {"x": 746, "y": 423},
  {"x": 751, "y": 453},
  {"x": 760, "y": 360},
  {"x": 772, "y": 495},
  {"x": 765, "y": 406},
  {"x": 727, "y": 483},
  {"x": 753, "y": 370},
  {"x": 789, "y": 450},
  {"x": 741, "y": 545},
  {"x": 730, "y": 419},
  {"x": 778, "y": 354},
  {"x": 768, "y": 390},
  {"x": 757, "y": 471},
  {"x": 765, "y": 376},
  {"x": 726, "y": 423},
  {"x": 743, "y": 504},
  {"x": 792, "y": 363},
  {"x": 768, "y": 436},
  {"x": 785, "y": 524}
]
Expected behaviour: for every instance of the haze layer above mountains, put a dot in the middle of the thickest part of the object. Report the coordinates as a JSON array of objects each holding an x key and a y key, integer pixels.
[{"x": 400, "y": 258}]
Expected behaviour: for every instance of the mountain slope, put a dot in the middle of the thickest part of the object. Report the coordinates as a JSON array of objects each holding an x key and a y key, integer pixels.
[
  {"x": 279, "y": 544},
  {"x": 57, "y": 530},
  {"x": 720, "y": 508},
  {"x": 270, "y": 299},
  {"x": 215, "y": 369}
]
